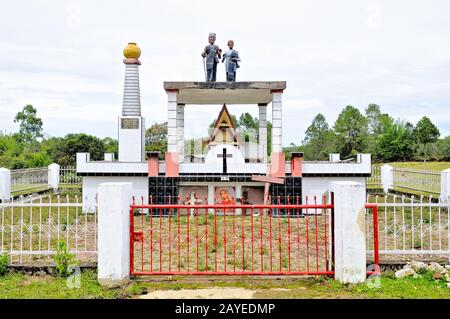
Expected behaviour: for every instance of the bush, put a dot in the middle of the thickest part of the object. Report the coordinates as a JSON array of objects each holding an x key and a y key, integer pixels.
[
  {"x": 63, "y": 259},
  {"x": 3, "y": 264}
]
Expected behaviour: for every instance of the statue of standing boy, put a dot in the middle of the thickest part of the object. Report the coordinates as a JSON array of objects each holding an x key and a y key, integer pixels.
[
  {"x": 212, "y": 53},
  {"x": 231, "y": 58}
]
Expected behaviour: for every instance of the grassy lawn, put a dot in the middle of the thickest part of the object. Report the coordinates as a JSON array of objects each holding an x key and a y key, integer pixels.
[
  {"x": 431, "y": 166},
  {"x": 22, "y": 286}
]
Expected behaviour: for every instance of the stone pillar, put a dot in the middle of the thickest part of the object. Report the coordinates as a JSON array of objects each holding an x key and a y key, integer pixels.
[
  {"x": 172, "y": 158},
  {"x": 445, "y": 186},
  {"x": 349, "y": 231},
  {"x": 278, "y": 162},
  {"x": 114, "y": 201},
  {"x": 53, "y": 176},
  {"x": 387, "y": 177},
  {"x": 263, "y": 132},
  {"x": 5, "y": 184},
  {"x": 180, "y": 132}
]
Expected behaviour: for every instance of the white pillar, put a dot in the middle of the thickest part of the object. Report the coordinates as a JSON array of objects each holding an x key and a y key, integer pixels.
[
  {"x": 180, "y": 131},
  {"x": 172, "y": 121},
  {"x": 263, "y": 132},
  {"x": 114, "y": 201},
  {"x": 5, "y": 184},
  {"x": 349, "y": 231},
  {"x": 445, "y": 185},
  {"x": 387, "y": 177},
  {"x": 53, "y": 176},
  {"x": 335, "y": 157},
  {"x": 109, "y": 157},
  {"x": 276, "y": 122}
]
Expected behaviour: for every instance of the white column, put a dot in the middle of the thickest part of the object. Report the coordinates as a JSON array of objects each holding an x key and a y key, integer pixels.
[
  {"x": 276, "y": 122},
  {"x": 387, "y": 177},
  {"x": 131, "y": 105},
  {"x": 180, "y": 131},
  {"x": 263, "y": 132},
  {"x": 349, "y": 231},
  {"x": 5, "y": 184},
  {"x": 445, "y": 185},
  {"x": 172, "y": 122},
  {"x": 109, "y": 157},
  {"x": 335, "y": 157},
  {"x": 53, "y": 176},
  {"x": 114, "y": 201}
]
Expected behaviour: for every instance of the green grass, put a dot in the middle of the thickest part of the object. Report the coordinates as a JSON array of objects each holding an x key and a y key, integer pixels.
[
  {"x": 23, "y": 286},
  {"x": 20, "y": 286},
  {"x": 430, "y": 166}
]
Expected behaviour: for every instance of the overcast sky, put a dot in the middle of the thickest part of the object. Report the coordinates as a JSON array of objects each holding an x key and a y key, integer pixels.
[{"x": 65, "y": 58}]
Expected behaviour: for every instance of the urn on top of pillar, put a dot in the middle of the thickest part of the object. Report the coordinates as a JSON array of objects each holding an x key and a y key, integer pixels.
[{"x": 132, "y": 53}]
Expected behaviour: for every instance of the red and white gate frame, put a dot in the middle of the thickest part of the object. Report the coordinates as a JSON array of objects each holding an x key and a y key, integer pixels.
[{"x": 161, "y": 233}]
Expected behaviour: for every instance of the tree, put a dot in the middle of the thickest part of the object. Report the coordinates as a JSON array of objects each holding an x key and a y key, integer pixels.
[
  {"x": 64, "y": 152},
  {"x": 247, "y": 121},
  {"x": 373, "y": 115},
  {"x": 351, "y": 131},
  {"x": 30, "y": 125},
  {"x": 111, "y": 146},
  {"x": 319, "y": 139},
  {"x": 444, "y": 148},
  {"x": 156, "y": 138},
  {"x": 395, "y": 142},
  {"x": 426, "y": 132}
]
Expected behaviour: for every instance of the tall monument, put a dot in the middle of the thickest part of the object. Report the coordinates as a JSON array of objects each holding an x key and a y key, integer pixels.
[{"x": 131, "y": 123}]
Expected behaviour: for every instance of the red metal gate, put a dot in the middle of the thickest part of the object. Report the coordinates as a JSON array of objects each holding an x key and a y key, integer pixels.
[{"x": 282, "y": 239}]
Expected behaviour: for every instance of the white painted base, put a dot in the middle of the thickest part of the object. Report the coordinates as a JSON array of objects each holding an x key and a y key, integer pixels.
[{"x": 319, "y": 186}]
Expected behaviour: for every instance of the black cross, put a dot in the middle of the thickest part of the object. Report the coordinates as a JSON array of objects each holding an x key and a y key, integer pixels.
[{"x": 224, "y": 156}]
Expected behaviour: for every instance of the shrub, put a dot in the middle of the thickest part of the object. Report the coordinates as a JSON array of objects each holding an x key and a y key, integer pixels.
[
  {"x": 63, "y": 259},
  {"x": 3, "y": 264}
]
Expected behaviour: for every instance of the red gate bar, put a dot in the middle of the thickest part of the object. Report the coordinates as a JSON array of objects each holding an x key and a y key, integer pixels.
[{"x": 376, "y": 257}]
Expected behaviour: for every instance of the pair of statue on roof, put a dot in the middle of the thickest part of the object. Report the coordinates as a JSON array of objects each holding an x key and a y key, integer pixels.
[{"x": 212, "y": 55}]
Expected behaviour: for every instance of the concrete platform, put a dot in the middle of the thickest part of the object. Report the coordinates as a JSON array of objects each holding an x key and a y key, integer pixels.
[{"x": 225, "y": 92}]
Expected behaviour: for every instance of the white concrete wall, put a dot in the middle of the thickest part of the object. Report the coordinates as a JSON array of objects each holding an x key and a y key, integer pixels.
[
  {"x": 132, "y": 142},
  {"x": 5, "y": 184},
  {"x": 91, "y": 184},
  {"x": 114, "y": 233},
  {"x": 445, "y": 185},
  {"x": 319, "y": 186},
  {"x": 85, "y": 166},
  {"x": 350, "y": 231}
]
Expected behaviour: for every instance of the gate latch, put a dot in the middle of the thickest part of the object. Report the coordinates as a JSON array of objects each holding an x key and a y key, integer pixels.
[{"x": 138, "y": 237}]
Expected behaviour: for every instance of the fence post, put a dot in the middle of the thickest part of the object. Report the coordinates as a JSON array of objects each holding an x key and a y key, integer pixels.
[
  {"x": 349, "y": 231},
  {"x": 53, "y": 176},
  {"x": 445, "y": 185},
  {"x": 114, "y": 201},
  {"x": 5, "y": 184},
  {"x": 387, "y": 177}
]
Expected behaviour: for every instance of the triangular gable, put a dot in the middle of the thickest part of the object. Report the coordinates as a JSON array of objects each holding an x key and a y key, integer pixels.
[{"x": 223, "y": 121}]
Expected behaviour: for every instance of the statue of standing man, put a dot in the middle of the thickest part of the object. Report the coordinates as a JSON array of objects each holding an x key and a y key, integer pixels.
[
  {"x": 231, "y": 58},
  {"x": 212, "y": 54}
]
